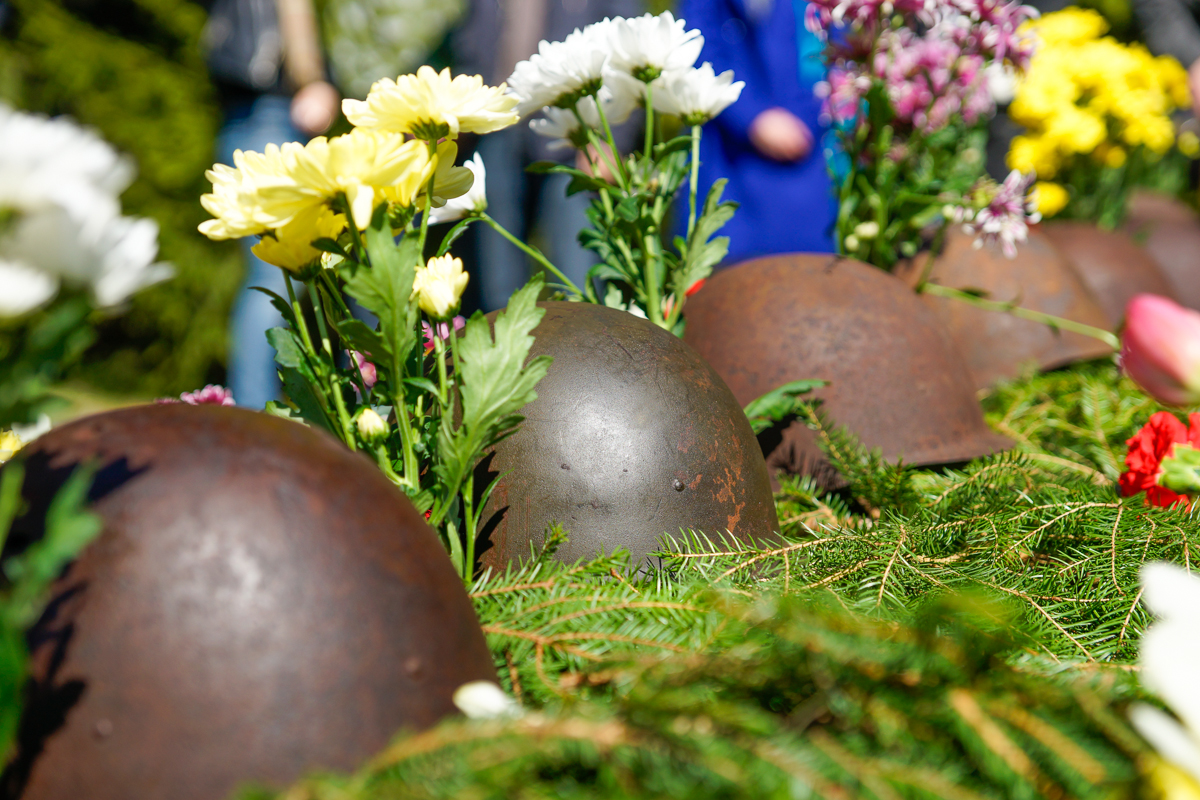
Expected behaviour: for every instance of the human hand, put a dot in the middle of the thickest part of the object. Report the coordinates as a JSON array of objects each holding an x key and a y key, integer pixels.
[
  {"x": 595, "y": 164},
  {"x": 1194, "y": 85},
  {"x": 780, "y": 135},
  {"x": 315, "y": 107}
]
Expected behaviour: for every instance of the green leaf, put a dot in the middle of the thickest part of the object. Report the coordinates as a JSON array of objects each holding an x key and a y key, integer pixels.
[
  {"x": 289, "y": 351},
  {"x": 702, "y": 255},
  {"x": 454, "y": 233},
  {"x": 422, "y": 383},
  {"x": 327, "y": 245},
  {"x": 385, "y": 287},
  {"x": 679, "y": 143},
  {"x": 355, "y": 333},
  {"x": 778, "y": 404},
  {"x": 301, "y": 392},
  {"x": 628, "y": 209},
  {"x": 282, "y": 306},
  {"x": 495, "y": 384},
  {"x": 69, "y": 528}
]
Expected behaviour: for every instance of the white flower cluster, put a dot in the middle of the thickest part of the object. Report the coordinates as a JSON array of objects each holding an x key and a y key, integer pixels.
[
  {"x": 619, "y": 63},
  {"x": 1170, "y": 650},
  {"x": 60, "y": 217}
]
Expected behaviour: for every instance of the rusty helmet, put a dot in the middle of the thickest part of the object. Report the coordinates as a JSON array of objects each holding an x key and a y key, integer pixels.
[
  {"x": 632, "y": 435},
  {"x": 895, "y": 381},
  {"x": 1112, "y": 265},
  {"x": 997, "y": 345},
  {"x": 1170, "y": 232},
  {"x": 261, "y": 603}
]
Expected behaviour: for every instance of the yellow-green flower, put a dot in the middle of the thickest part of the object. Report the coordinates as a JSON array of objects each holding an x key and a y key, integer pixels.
[
  {"x": 10, "y": 444},
  {"x": 439, "y": 285},
  {"x": 1050, "y": 198},
  {"x": 449, "y": 181},
  {"x": 362, "y": 165},
  {"x": 430, "y": 105},
  {"x": 234, "y": 201},
  {"x": 291, "y": 248}
]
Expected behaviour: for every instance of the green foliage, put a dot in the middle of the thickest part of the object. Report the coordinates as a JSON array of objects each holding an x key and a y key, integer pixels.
[
  {"x": 28, "y": 577},
  {"x": 34, "y": 351},
  {"x": 778, "y": 404},
  {"x": 133, "y": 70}
]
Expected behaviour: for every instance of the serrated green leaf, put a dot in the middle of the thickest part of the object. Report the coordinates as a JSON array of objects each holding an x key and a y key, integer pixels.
[
  {"x": 454, "y": 233},
  {"x": 385, "y": 289},
  {"x": 282, "y": 306},
  {"x": 301, "y": 392},
  {"x": 777, "y": 404}
]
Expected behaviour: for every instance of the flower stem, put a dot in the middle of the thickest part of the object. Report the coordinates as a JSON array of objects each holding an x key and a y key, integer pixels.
[
  {"x": 331, "y": 382},
  {"x": 1024, "y": 313},
  {"x": 432, "y": 145},
  {"x": 533, "y": 253},
  {"x": 612, "y": 144},
  {"x": 306, "y": 340},
  {"x": 649, "y": 121},
  {"x": 694, "y": 184}
]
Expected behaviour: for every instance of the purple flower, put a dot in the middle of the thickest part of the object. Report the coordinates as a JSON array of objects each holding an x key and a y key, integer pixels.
[
  {"x": 369, "y": 374},
  {"x": 211, "y": 395},
  {"x": 443, "y": 331},
  {"x": 1006, "y": 218}
]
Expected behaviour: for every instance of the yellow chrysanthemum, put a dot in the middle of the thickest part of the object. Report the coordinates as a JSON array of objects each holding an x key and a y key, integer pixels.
[
  {"x": 449, "y": 181},
  {"x": 430, "y": 105},
  {"x": 1034, "y": 154},
  {"x": 1051, "y": 198},
  {"x": 268, "y": 190},
  {"x": 234, "y": 200},
  {"x": 1072, "y": 25},
  {"x": 362, "y": 165},
  {"x": 439, "y": 285},
  {"x": 1165, "y": 781},
  {"x": 10, "y": 444},
  {"x": 291, "y": 248}
]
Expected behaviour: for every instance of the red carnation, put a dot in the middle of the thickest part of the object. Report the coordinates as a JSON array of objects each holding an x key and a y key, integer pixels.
[{"x": 1148, "y": 448}]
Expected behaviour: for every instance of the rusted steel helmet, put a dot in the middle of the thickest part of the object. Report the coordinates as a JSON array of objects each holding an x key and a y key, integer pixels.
[
  {"x": 997, "y": 345},
  {"x": 261, "y": 603},
  {"x": 1111, "y": 265},
  {"x": 895, "y": 380},
  {"x": 1170, "y": 232},
  {"x": 632, "y": 435}
]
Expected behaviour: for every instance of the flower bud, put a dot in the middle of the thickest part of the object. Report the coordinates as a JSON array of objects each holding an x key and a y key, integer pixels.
[
  {"x": 1161, "y": 349},
  {"x": 1181, "y": 470},
  {"x": 438, "y": 286},
  {"x": 371, "y": 426},
  {"x": 485, "y": 700}
]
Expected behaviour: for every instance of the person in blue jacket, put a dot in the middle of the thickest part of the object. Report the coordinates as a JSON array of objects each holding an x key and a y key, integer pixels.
[{"x": 769, "y": 144}]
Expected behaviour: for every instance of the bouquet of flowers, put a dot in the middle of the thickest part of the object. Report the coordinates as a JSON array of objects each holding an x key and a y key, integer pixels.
[
  {"x": 423, "y": 393},
  {"x": 593, "y": 80},
  {"x": 910, "y": 85},
  {"x": 1097, "y": 114}
]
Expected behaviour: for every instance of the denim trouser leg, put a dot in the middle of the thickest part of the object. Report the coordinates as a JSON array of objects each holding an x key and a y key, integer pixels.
[
  {"x": 251, "y": 364},
  {"x": 503, "y": 268}
]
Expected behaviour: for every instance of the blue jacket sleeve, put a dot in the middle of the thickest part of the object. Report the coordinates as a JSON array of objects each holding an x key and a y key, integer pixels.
[{"x": 729, "y": 44}]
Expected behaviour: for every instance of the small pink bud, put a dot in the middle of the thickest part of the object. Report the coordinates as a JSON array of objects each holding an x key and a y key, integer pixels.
[
  {"x": 1161, "y": 349},
  {"x": 369, "y": 375}
]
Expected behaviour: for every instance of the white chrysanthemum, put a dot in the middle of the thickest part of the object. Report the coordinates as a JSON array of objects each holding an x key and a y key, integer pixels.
[
  {"x": 474, "y": 200},
  {"x": 696, "y": 95},
  {"x": 112, "y": 262},
  {"x": 54, "y": 162},
  {"x": 562, "y": 125},
  {"x": 485, "y": 700},
  {"x": 647, "y": 46},
  {"x": 561, "y": 70},
  {"x": 1170, "y": 650},
  {"x": 23, "y": 288}
]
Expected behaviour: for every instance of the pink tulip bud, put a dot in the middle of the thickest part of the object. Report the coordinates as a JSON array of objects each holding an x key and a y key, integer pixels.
[
  {"x": 1161, "y": 349},
  {"x": 365, "y": 368}
]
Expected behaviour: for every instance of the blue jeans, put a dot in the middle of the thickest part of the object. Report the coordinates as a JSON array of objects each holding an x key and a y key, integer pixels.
[
  {"x": 251, "y": 365},
  {"x": 503, "y": 268}
]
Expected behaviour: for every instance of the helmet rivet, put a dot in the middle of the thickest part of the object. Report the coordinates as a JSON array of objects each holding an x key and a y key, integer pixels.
[{"x": 678, "y": 484}]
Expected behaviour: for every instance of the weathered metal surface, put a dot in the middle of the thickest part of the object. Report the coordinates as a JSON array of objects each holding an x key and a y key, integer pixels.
[
  {"x": 1113, "y": 267},
  {"x": 261, "y": 603},
  {"x": 895, "y": 380},
  {"x": 997, "y": 345},
  {"x": 1170, "y": 232},
  {"x": 632, "y": 435}
]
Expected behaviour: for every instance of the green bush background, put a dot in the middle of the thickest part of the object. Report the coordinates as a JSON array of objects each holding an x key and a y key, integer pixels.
[{"x": 133, "y": 70}]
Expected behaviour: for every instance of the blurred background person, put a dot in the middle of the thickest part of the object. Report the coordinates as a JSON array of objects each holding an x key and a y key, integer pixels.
[
  {"x": 266, "y": 61},
  {"x": 490, "y": 42},
  {"x": 769, "y": 144},
  {"x": 1172, "y": 27}
]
